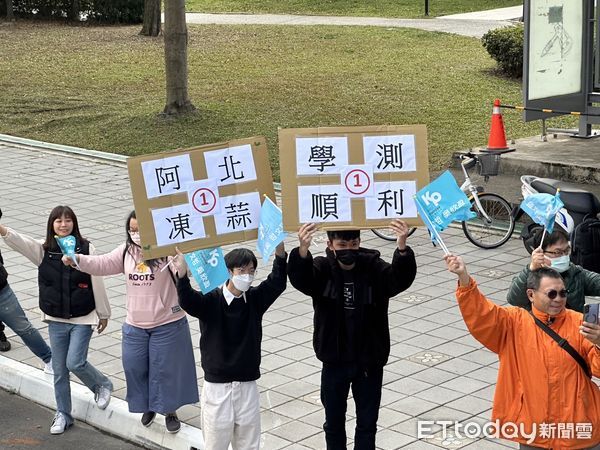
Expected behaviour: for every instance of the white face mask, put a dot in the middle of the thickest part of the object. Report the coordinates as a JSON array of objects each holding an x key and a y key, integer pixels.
[
  {"x": 242, "y": 282},
  {"x": 561, "y": 264},
  {"x": 135, "y": 237}
]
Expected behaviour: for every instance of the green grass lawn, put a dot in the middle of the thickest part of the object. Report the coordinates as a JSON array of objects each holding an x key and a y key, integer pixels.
[
  {"x": 377, "y": 8},
  {"x": 101, "y": 88}
]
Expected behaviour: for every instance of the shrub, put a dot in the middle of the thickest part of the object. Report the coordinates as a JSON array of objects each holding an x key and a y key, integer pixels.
[
  {"x": 106, "y": 11},
  {"x": 505, "y": 45}
]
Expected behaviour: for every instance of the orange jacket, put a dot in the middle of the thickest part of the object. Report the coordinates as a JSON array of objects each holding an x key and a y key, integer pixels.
[{"x": 538, "y": 382}]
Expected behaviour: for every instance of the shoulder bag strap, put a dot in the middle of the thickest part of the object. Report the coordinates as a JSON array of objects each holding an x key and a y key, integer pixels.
[{"x": 564, "y": 344}]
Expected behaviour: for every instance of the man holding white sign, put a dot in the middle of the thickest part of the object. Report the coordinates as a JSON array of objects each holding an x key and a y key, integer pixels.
[{"x": 350, "y": 288}]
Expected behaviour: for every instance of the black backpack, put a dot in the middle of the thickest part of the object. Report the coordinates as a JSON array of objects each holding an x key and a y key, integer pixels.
[{"x": 586, "y": 244}]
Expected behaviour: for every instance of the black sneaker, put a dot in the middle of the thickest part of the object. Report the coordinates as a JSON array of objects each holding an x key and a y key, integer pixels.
[
  {"x": 172, "y": 422},
  {"x": 4, "y": 344},
  {"x": 148, "y": 418}
]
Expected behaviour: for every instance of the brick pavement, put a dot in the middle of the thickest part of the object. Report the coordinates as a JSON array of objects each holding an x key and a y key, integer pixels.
[{"x": 435, "y": 371}]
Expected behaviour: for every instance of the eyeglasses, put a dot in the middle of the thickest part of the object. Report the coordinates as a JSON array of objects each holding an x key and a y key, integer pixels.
[
  {"x": 557, "y": 253},
  {"x": 553, "y": 293}
]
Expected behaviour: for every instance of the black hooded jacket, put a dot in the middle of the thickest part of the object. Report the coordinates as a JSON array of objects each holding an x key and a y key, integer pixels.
[{"x": 375, "y": 281}]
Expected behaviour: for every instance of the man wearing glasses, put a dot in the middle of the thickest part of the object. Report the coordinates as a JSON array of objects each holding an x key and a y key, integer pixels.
[
  {"x": 545, "y": 397},
  {"x": 554, "y": 252}
]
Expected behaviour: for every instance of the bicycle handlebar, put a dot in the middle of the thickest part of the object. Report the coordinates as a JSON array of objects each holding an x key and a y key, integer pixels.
[{"x": 469, "y": 160}]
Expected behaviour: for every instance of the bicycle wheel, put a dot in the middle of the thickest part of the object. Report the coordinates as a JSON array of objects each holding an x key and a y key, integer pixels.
[
  {"x": 494, "y": 232},
  {"x": 387, "y": 233}
]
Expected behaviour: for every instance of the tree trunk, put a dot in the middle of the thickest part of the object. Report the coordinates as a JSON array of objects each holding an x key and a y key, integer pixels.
[
  {"x": 10, "y": 15},
  {"x": 73, "y": 14},
  {"x": 175, "y": 32},
  {"x": 151, "y": 26}
]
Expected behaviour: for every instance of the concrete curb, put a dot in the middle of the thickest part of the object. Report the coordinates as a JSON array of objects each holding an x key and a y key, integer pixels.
[
  {"x": 64, "y": 149},
  {"x": 35, "y": 385},
  {"x": 567, "y": 172}
]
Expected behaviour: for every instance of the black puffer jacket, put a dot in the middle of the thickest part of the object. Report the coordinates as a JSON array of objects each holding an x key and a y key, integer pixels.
[
  {"x": 375, "y": 282},
  {"x": 65, "y": 292}
]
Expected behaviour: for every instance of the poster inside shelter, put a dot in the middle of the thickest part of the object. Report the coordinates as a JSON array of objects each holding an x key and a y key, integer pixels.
[
  {"x": 352, "y": 177},
  {"x": 555, "y": 48},
  {"x": 201, "y": 197}
]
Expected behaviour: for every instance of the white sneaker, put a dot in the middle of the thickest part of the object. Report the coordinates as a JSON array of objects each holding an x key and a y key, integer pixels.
[
  {"x": 102, "y": 397},
  {"x": 48, "y": 368},
  {"x": 59, "y": 424}
]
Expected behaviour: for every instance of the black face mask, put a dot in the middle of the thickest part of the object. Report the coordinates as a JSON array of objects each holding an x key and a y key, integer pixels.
[{"x": 347, "y": 257}]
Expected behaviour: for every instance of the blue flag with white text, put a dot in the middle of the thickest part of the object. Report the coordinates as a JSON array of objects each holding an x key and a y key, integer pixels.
[
  {"x": 67, "y": 246},
  {"x": 444, "y": 202},
  {"x": 542, "y": 208},
  {"x": 208, "y": 268},
  {"x": 270, "y": 229}
]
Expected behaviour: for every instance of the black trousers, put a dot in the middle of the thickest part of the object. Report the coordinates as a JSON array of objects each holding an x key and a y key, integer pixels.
[{"x": 336, "y": 381}]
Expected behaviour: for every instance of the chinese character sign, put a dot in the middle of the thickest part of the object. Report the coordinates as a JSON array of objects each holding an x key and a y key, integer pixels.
[
  {"x": 391, "y": 153},
  {"x": 352, "y": 177},
  {"x": 443, "y": 202},
  {"x": 270, "y": 229},
  {"x": 208, "y": 268},
  {"x": 202, "y": 197},
  {"x": 167, "y": 175},
  {"x": 231, "y": 165},
  {"x": 318, "y": 155}
]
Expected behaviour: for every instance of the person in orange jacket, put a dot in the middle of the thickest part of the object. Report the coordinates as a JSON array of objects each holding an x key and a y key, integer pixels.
[{"x": 540, "y": 386}]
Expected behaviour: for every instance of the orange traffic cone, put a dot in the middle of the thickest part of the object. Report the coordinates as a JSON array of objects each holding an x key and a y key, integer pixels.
[{"x": 497, "y": 140}]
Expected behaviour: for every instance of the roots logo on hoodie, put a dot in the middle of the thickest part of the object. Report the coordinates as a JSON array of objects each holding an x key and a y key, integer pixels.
[{"x": 143, "y": 273}]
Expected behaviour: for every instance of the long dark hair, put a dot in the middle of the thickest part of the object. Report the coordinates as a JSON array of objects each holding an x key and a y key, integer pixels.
[
  {"x": 130, "y": 245},
  {"x": 58, "y": 212}
]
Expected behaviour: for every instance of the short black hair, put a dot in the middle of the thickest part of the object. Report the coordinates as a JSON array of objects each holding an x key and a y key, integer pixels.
[
  {"x": 535, "y": 277},
  {"x": 551, "y": 238},
  {"x": 240, "y": 257},
  {"x": 346, "y": 235}
]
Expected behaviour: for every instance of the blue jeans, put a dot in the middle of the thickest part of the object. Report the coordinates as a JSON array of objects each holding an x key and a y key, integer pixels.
[
  {"x": 70, "y": 344},
  {"x": 14, "y": 317},
  {"x": 366, "y": 383}
]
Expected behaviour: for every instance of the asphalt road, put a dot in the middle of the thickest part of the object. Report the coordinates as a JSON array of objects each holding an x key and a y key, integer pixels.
[{"x": 26, "y": 425}]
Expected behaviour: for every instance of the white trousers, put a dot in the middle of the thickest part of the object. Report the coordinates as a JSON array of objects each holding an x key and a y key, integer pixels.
[{"x": 230, "y": 414}]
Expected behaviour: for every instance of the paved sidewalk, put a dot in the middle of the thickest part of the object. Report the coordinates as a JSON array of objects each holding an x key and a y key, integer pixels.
[
  {"x": 435, "y": 371},
  {"x": 470, "y": 24}
]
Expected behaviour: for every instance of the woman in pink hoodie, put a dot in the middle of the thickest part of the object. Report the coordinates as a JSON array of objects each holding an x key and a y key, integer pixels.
[{"x": 158, "y": 358}]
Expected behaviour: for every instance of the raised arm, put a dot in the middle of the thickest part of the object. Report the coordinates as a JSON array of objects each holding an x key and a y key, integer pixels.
[
  {"x": 487, "y": 322},
  {"x": 190, "y": 300},
  {"x": 102, "y": 265},
  {"x": 400, "y": 274},
  {"x": 27, "y": 246},
  {"x": 270, "y": 289},
  {"x": 301, "y": 270}
]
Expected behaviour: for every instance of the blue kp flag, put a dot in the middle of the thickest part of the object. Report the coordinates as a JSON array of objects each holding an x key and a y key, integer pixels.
[
  {"x": 270, "y": 229},
  {"x": 208, "y": 268},
  {"x": 67, "y": 246},
  {"x": 542, "y": 208},
  {"x": 443, "y": 202}
]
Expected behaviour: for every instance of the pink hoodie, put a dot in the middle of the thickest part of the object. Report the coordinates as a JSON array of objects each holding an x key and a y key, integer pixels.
[{"x": 151, "y": 295}]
